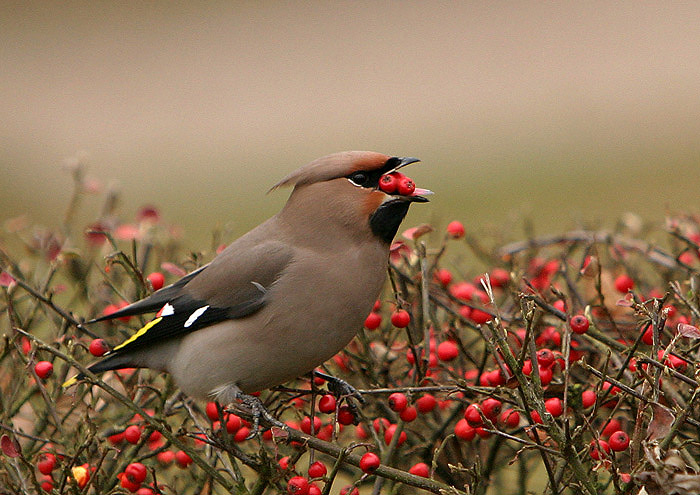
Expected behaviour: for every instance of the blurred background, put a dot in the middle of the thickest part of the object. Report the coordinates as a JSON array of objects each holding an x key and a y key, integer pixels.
[{"x": 563, "y": 114}]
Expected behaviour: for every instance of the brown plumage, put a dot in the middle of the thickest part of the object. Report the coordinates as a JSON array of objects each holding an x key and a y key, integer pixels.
[{"x": 284, "y": 297}]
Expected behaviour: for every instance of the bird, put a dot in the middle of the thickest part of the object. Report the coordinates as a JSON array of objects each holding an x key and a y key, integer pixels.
[{"x": 284, "y": 297}]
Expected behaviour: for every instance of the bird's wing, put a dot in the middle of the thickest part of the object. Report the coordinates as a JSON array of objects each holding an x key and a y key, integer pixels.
[{"x": 232, "y": 286}]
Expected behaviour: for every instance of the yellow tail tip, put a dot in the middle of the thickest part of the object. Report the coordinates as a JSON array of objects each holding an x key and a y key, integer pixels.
[{"x": 70, "y": 382}]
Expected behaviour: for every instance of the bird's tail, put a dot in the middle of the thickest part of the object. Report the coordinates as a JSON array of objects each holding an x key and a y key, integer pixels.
[{"x": 113, "y": 362}]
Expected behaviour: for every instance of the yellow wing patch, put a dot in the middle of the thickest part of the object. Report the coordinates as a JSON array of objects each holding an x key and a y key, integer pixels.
[{"x": 139, "y": 334}]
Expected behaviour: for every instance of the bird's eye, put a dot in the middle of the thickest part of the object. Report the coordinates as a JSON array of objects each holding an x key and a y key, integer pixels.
[{"x": 359, "y": 178}]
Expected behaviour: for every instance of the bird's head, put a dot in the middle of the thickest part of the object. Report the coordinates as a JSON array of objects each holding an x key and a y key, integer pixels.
[{"x": 361, "y": 190}]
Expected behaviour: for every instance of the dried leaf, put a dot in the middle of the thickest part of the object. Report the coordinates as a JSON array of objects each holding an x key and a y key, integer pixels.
[
  {"x": 10, "y": 447},
  {"x": 661, "y": 421},
  {"x": 416, "y": 232},
  {"x": 688, "y": 331}
]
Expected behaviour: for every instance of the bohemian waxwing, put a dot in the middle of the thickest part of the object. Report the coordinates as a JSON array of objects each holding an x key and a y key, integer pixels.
[{"x": 284, "y": 297}]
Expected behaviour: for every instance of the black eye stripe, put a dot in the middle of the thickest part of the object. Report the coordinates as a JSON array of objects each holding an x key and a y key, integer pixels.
[{"x": 371, "y": 178}]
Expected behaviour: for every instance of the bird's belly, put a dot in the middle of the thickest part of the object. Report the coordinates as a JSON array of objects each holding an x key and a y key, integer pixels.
[{"x": 254, "y": 356}]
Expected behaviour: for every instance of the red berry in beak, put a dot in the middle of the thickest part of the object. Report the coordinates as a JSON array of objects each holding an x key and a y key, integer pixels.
[
  {"x": 388, "y": 183},
  {"x": 406, "y": 186}
]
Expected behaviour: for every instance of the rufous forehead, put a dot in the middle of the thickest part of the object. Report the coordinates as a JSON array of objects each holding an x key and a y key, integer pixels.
[{"x": 369, "y": 161}]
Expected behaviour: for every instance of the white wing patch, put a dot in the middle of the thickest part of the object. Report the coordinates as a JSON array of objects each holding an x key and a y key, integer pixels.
[
  {"x": 193, "y": 317},
  {"x": 167, "y": 310}
]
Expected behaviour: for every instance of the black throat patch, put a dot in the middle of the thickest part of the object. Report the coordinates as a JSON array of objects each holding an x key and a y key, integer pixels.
[{"x": 386, "y": 220}]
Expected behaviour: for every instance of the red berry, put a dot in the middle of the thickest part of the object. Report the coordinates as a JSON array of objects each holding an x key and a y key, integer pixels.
[
  {"x": 499, "y": 277},
  {"x": 545, "y": 375},
  {"x": 26, "y": 343},
  {"x": 345, "y": 415},
  {"x": 305, "y": 425},
  {"x": 554, "y": 406},
  {"x": 112, "y": 308},
  {"x": 611, "y": 427},
  {"x": 98, "y": 347},
  {"x": 613, "y": 390},
  {"x": 479, "y": 317},
  {"x": 349, "y": 490},
  {"x": 127, "y": 484},
  {"x": 420, "y": 469},
  {"x": 464, "y": 431},
  {"x": 588, "y": 398},
  {"x": 400, "y": 318},
  {"x": 298, "y": 485},
  {"x": 648, "y": 337},
  {"x": 482, "y": 432},
  {"x": 473, "y": 416},
  {"x": 317, "y": 470},
  {"x": 443, "y": 276},
  {"x": 491, "y": 408},
  {"x": 464, "y": 291},
  {"x": 409, "y": 414},
  {"x": 599, "y": 449},
  {"x": 510, "y": 418},
  {"x": 136, "y": 472},
  {"x": 536, "y": 418},
  {"x": 447, "y": 350},
  {"x": 43, "y": 369},
  {"x": 397, "y": 401},
  {"x": 157, "y": 280},
  {"x": 327, "y": 403},
  {"x": 380, "y": 424},
  {"x": 212, "y": 411},
  {"x": 624, "y": 283},
  {"x": 233, "y": 424},
  {"x": 494, "y": 378},
  {"x": 527, "y": 367},
  {"x": 370, "y": 462},
  {"x": 116, "y": 439},
  {"x": 389, "y": 434},
  {"x": 406, "y": 186},
  {"x": 47, "y": 485},
  {"x": 284, "y": 462},
  {"x": 545, "y": 358},
  {"x": 619, "y": 441},
  {"x": 166, "y": 457},
  {"x": 426, "y": 403},
  {"x": 388, "y": 183},
  {"x": 579, "y": 324},
  {"x": 373, "y": 321},
  {"x": 132, "y": 434},
  {"x": 455, "y": 229},
  {"x": 241, "y": 435},
  {"x": 47, "y": 463},
  {"x": 183, "y": 459}
]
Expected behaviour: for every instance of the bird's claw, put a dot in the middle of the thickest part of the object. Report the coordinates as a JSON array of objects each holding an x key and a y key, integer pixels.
[
  {"x": 257, "y": 412},
  {"x": 340, "y": 387}
]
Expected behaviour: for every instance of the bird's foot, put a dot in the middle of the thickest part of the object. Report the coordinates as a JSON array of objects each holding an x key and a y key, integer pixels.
[
  {"x": 256, "y": 409},
  {"x": 340, "y": 387}
]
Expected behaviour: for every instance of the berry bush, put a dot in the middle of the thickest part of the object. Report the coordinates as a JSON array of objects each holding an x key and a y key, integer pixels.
[{"x": 562, "y": 364}]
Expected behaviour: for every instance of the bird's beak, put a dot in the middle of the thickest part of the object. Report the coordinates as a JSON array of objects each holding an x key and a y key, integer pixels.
[
  {"x": 418, "y": 194},
  {"x": 406, "y": 161}
]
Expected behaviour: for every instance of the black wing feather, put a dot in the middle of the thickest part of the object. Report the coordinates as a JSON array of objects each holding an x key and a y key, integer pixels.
[{"x": 174, "y": 325}]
